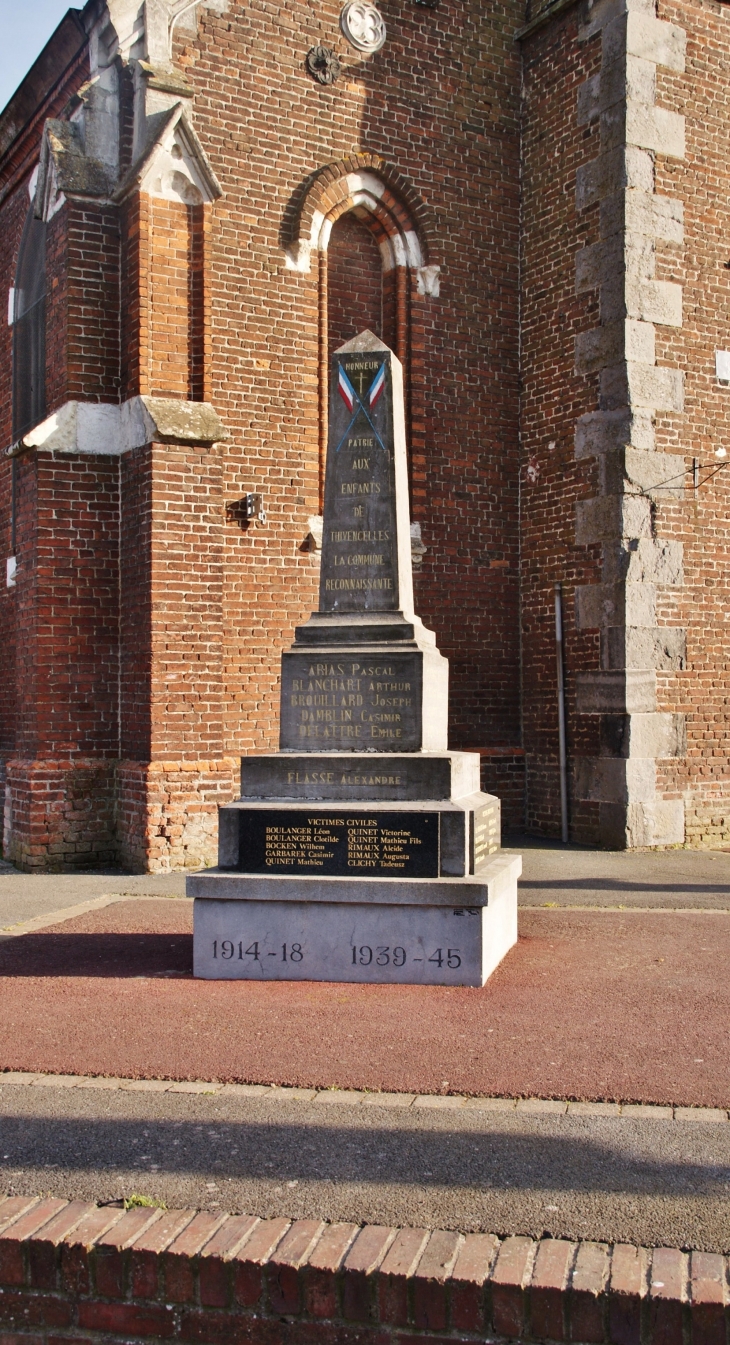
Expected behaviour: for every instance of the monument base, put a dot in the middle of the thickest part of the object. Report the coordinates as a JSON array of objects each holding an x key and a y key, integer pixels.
[{"x": 378, "y": 931}]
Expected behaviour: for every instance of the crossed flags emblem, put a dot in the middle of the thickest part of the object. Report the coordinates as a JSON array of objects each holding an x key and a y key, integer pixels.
[{"x": 355, "y": 402}]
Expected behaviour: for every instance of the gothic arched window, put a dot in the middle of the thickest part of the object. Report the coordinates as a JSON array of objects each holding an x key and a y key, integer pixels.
[{"x": 29, "y": 329}]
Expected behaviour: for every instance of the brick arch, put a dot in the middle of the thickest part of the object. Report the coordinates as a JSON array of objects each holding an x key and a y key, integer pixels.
[{"x": 398, "y": 216}]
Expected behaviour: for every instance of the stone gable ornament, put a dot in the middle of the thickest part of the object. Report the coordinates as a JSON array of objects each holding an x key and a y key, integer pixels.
[
  {"x": 363, "y": 26},
  {"x": 323, "y": 65}
]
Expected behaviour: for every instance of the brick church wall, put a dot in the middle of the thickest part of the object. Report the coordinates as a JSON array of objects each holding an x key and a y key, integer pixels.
[
  {"x": 59, "y": 806},
  {"x": 354, "y": 283},
  {"x": 700, "y": 521},
  {"x": 13, "y": 216},
  {"x": 173, "y": 771},
  {"x": 140, "y": 650},
  {"x": 556, "y": 64}
]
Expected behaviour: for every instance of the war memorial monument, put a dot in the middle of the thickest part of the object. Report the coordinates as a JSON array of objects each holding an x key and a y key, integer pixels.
[{"x": 363, "y": 850}]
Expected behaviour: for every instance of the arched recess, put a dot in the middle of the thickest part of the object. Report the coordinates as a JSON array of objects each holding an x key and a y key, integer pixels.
[{"x": 382, "y": 200}]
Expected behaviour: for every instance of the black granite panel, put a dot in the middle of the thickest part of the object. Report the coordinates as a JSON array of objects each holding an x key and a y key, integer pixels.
[
  {"x": 339, "y": 844},
  {"x": 359, "y": 542},
  {"x": 340, "y": 703}
]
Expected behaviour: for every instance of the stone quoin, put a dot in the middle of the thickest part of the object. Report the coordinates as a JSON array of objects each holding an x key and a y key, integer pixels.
[{"x": 529, "y": 206}]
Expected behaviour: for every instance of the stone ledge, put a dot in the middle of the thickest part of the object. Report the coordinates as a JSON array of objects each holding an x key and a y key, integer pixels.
[
  {"x": 101, "y": 428},
  {"x": 194, "y": 1275}
]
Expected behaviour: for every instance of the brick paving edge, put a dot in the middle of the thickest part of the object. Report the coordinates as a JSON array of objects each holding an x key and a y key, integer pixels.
[
  {"x": 353, "y": 1097},
  {"x": 68, "y": 1267}
]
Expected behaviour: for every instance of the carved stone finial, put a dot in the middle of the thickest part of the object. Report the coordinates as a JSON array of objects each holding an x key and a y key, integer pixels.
[{"x": 323, "y": 65}]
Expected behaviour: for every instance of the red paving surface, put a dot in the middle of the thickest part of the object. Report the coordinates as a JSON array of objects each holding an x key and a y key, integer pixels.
[{"x": 590, "y": 1004}]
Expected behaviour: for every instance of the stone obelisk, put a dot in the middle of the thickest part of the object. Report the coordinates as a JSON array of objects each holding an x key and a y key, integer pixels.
[{"x": 363, "y": 850}]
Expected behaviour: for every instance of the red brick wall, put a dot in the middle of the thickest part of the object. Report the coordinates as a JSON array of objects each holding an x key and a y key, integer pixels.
[
  {"x": 172, "y": 626},
  {"x": 93, "y": 252},
  {"x": 701, "y": 521},
  {"x": 553, "y": 397},
  {"x": 67, "y": 591},
  {"x": 82, "y": 305},
  {"x": 13, "y": 218},
  {"x": 134, "y": 295},
  {"x": 355, "y": 283},
  {"x": 172, "y": 348},
  {"x": 72, "y": 1271}
]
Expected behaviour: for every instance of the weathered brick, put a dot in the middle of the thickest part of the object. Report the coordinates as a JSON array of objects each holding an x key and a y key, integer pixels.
[
  {"x": 553, "y": 1264},
  {"x": 509, "y": 1278},
  {"x": 362, "y": 1260}
]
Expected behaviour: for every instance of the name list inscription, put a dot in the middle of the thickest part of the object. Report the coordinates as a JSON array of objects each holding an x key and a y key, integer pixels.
[
  {"x": 359, "y": 547},
  {"x": 375, "y": 704},
  {"x": 283, "y": 841}
]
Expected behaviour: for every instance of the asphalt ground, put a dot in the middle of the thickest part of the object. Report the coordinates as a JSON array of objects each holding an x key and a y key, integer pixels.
[
  {"x": 554, "y": 874},
  {"x": 592, "y": 1004},
  {"x": 655, "y": 1182}
]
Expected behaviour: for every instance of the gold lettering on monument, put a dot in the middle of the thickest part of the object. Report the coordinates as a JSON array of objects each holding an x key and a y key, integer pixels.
[{"x": 309, "y": 844}]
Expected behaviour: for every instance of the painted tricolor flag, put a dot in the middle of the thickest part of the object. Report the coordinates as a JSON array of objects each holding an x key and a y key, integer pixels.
[
  {"x": 347, "y": 392},
  {"x": 377, "y": 385}
]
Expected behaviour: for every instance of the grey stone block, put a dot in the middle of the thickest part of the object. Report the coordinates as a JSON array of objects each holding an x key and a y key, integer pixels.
[
  {"x": 605, "y": 11},
  {"x": 376, "y": 944},
  {"x": 663, "y": 648},
  {"x": 623, "y": 77},
  {"x": 601, "y": 431},
  {"x": 655, "y": 40},
  {"x": 622, "y": 339},
  {"x": 655, "y": 128},
  {"x": 599, "y": 605},
  {"x": 631, "y": 470},
  {"x": 613, "y": 171},
  {"x": 654, "y": 301},
  {"x": 588, "y": 100},
  {"x": 657, "y": 823},
  {"x": 612, "y": 516},
  {"x": 293, "y": 836},
  {"x": 641, "y": 385},
  {"x": 644, "y": 560},
  {"x": 651, "y": 735},
  {"x": 627, "y": 826},
  {"x": 625, "y": 691},
  {"x": 639, "y": 213},
  {"x": 495, "y": 876},
  {"x": 589, "y": 267},
  {"x": 614, "y": 779},
  {"x": 669, "y": 219}
]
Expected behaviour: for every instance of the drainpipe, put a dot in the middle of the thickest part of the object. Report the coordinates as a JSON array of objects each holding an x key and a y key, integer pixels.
[{"x": 561, "y": 713}]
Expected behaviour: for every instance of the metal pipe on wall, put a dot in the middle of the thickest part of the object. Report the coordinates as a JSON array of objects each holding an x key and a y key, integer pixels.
[{"x": 562, "y": 750}]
